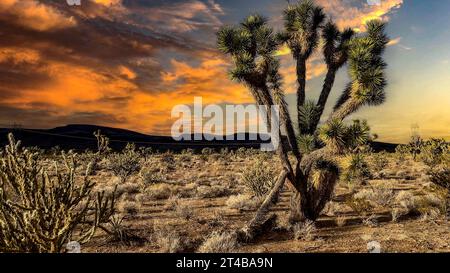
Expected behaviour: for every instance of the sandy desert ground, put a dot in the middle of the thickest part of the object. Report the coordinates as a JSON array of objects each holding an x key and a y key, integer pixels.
[{"x": 193, "y": 202}]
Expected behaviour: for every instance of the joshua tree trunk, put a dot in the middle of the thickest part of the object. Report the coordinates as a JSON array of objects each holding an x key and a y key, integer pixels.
[
  {"x": 347, "y": 108},
  {"x": 326, "y": 89},
  {"x": 313, "y": 192}
]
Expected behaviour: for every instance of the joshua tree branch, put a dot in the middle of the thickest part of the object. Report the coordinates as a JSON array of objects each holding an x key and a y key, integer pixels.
[
  {"x": 326, "y": 89},
  {"x": 347, "y": 108},
  {"x": 254, "y": 225},
  {"x": 301, "y": 80}
]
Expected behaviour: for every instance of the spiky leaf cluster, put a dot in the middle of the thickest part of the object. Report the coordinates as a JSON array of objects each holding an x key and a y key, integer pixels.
[
  {"x": 252, "y": 46},
  {"x": 302, "y": 21},
  {"x": 366, "y": 71},
  {"x": 340, "y": 137},
  {"x": 336, "y": 44},
  {"x": 306, "y": 116}
]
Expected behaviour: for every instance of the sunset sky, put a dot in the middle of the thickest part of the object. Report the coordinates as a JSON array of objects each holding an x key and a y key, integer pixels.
[{"x": 126, "y": 63}]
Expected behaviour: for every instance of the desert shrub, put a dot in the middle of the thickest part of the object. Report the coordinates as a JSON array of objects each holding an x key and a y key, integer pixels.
[
  {"x": 167, "y": 163},
  {"x": 428, "y": 204},
  {"x": 341, "y": 221},
  {"x": 172, "y": 202},
  {"x": 150, "y": 176},
  {"x": 128, "y": 188},
  {"x": 169, "y": 241},
  {"x": 241, "y": 151},
  {"x": 379, "y": 161},
  {"x": 39, "y": 212},
  {"x": 359, "y": 204},
  {"x": 184, "y": 211},
  {"x": 124, "y": 164},
  {"x": 207, "y": 151},
  {"x": 434, "y": 151},
  {"x": 159, "y": 191},
  {"x": 142, "y": 197},
  {"x": 401, "y": 151},
  {"x": 129, "y": 208},
  {"x": 370, "y": 221},
  {"x": 146, "y": 152},
  {"x": 441, "y": 176},
  {"x": 187, "y": 190},
  {"x": 305, "y": 231},
  {"x": 258, "y": 179},
  {"x": 243, "y": 202},
  {"x": 217, "y": 219},
  {"x": 356, "y": 168},
  {"x": 396, "y": 213},
  {"x": 219, "y": 243},
  {"x": 212, "y": 191},
  {"x": 381, "y": 195}
]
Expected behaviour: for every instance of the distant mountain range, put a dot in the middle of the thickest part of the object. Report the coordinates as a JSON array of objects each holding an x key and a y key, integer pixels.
[{"x": 81, "y": 137}]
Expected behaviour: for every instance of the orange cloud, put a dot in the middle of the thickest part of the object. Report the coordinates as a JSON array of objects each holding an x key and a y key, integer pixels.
[
  {"x": 76, "y": 89},
  {"x": 187, "y": 16},
  {"x": 394, "y": 41},
  {"x": 18, "y": 56},
  {"x": 35, "y": 15},
  {"x": 355, "y": 14},
  {"x": 108, "y": 2}
]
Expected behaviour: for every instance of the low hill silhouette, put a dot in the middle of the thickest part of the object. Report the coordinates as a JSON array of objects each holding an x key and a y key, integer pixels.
[{"x": 81, "y": 137}]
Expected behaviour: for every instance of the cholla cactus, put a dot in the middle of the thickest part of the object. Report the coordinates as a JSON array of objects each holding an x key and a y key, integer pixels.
[
  {"x": 40, "y": 212},
  {"x": 102, "y": 143},
  {"x": 253, "y": 47},
  {"x": 125, "y": 163}
]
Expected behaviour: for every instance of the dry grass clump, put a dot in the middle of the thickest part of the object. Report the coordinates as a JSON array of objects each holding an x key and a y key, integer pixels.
[
  {"x": 217, "y": 219},
  {"x": 119, "y": 233},
  {"x": 379, "y": 162},
  {"x": 305, "y": 231},
  {"x": 258, "y": 179},
  {"x": 172, "y": 202},
  {"x": 212, "y": 191},
  {"x": 441, "y": 176},
  {"x": 360, "y": 202},
  {"x": 428, "y": 206},
  {"x": 370, "y": 221},
  {"x": 159, "y": 191},
  {"x": 188, "y": 190},
  {"x": 168, "y": 241},
  {"x": 124, "y": 164},
  {"x": 184, "y": 211},
  {"x": 381, "y": 195},
  {"x": 219, "y": 243},
  {"x": 129, "y": 208},
  {"x": 150, "y": 176},
  {"x": 243, "y": 202},
  {"x": 330, "y": 208},
  {"x": 128, "y": 188},
  {"x": 341, "y": 221}
]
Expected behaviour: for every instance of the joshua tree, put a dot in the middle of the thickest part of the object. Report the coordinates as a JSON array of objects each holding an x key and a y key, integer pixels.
[{"x": 252, "y": 45}]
